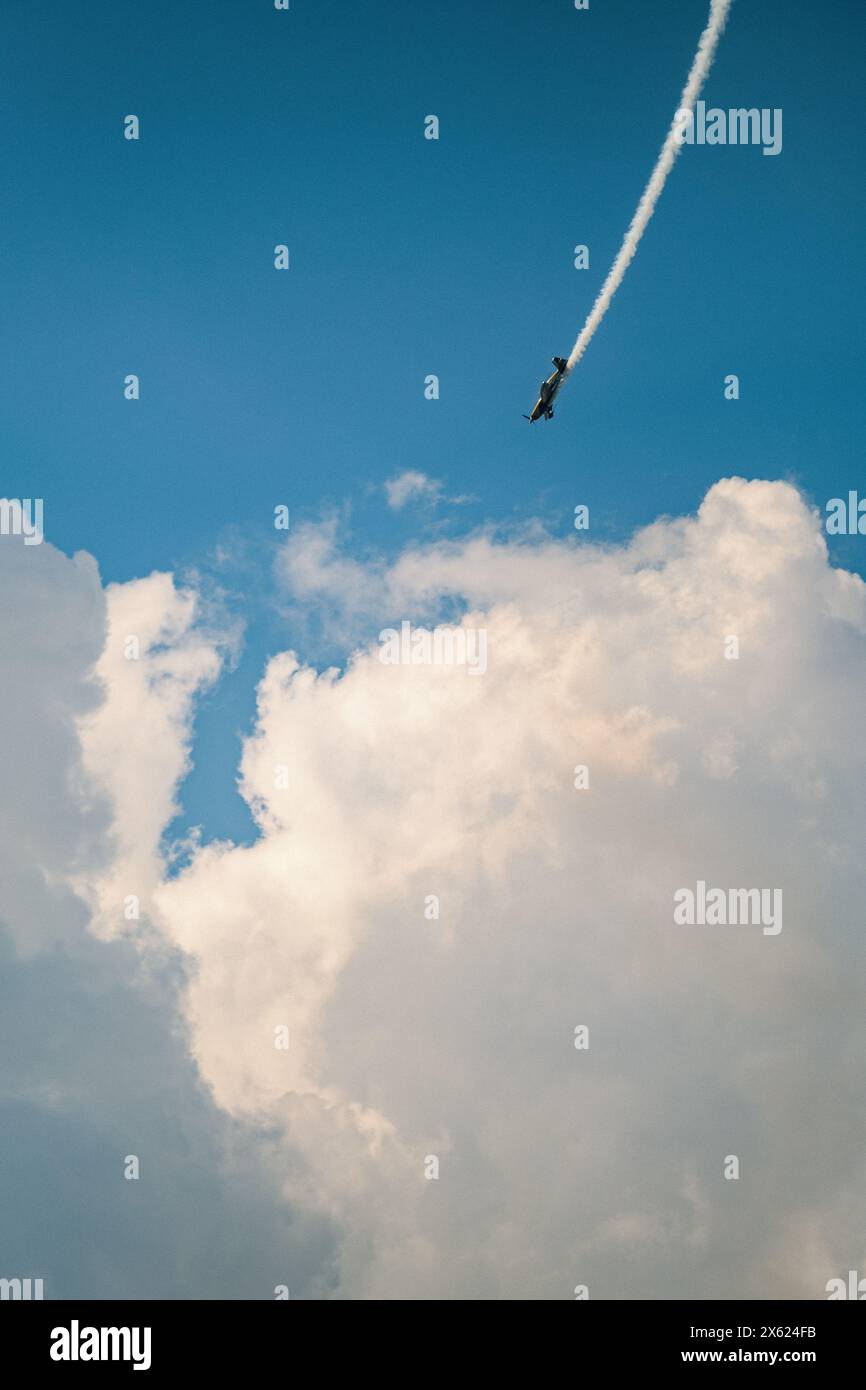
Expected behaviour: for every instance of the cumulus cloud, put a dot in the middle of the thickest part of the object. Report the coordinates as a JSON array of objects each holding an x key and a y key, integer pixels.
[
  {"x": 94, "y": 1059},
  {"x": 432, "y": 907},
  {"x": 135, "y": 743},
  {"x": 380, "y": 788}
]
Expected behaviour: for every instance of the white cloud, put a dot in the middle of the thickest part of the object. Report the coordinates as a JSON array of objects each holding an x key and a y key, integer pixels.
[
  {"x": 135, "y": 745},
  {"x": 94, "y": 1062},
  {"x": 411, "y": 486},
  {"x": 454, "y": 1037}
]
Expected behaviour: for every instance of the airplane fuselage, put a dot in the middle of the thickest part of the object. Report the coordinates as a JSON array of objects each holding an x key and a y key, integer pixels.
[{"x": 547, "y": 391}]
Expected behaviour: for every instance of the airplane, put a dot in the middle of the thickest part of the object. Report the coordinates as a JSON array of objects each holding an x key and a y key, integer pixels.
[{"x": 547, "y": 391}]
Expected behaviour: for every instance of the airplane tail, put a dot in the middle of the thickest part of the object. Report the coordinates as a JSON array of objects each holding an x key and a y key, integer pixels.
[{"x": 560, "y": 363}]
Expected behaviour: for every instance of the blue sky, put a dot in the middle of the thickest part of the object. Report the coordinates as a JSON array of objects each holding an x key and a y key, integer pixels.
[{"x": 409, "y": 257}]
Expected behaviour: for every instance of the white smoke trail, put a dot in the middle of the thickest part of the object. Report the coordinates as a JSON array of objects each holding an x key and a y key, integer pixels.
[{"x": 703, "y": 61}]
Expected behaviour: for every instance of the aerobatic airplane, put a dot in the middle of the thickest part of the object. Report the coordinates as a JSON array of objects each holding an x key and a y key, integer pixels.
[{"x": 547, "y": 391}]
